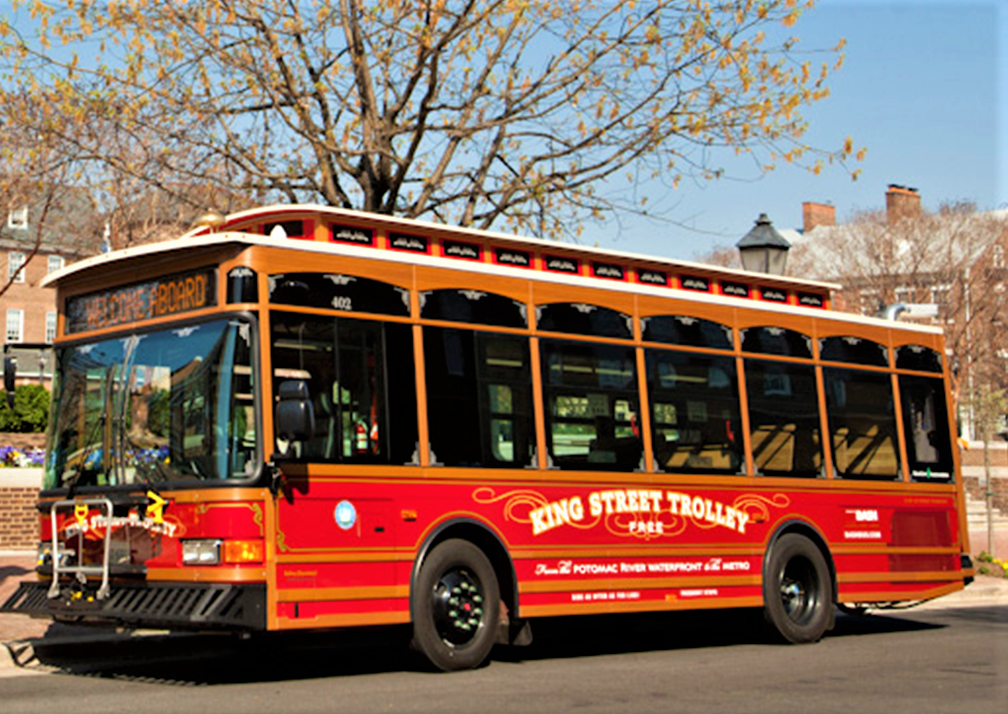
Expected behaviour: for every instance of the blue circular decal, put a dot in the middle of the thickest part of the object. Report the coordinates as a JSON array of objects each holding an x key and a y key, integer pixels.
[{"x": 345, "y": 515}]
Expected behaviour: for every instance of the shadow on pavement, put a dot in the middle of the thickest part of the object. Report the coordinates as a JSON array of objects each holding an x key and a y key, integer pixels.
[
  {"x": 208, "y": 660},
  {"x": 13, "y": 571}
]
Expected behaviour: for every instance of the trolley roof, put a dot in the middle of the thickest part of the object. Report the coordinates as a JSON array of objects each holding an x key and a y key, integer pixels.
[{"x": 338, "y": 229}]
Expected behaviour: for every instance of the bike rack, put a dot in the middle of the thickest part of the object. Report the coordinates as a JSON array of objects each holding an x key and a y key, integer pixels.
[{"x": 80, "y": 509}]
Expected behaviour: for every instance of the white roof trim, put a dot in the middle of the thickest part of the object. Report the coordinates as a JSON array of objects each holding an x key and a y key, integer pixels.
[
  {"x": 475, "y": 234},
  {"x": 392, "y": 256}
]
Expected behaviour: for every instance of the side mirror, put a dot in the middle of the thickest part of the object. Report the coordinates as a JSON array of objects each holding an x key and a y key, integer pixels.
[
  {"x": 10, "y": 378},
  {"x": 295, "y": 416}
]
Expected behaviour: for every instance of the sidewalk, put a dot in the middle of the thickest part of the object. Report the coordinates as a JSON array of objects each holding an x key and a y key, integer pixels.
[{"x": 16, "y": 566}]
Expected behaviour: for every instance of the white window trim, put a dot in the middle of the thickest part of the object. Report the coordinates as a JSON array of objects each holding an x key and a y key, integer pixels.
[
  {"x": 15, "y": 326},
  {"x": 51, "y": 326},
  {"x": 17, "y": 218},
  {"x": 58, "y": 260},
  {"x": 15, "y": 268}
]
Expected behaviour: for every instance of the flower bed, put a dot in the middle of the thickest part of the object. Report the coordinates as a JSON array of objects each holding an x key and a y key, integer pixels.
[
  {"x": 13, "y": 457},
  {"x": 989, "y": 565}
]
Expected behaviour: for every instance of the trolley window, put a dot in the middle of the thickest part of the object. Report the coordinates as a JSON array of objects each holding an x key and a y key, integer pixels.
[
  {"x": 473, "y": 306},
  {"x": 359, "y": 374},
  {"x": 687, "y": 331},
  {"x": 479, "y": 398},
  {"x": 855, "y": 350},
  {"x": 926, "y": 423},
  {"x": 862, "y": 423},
  {"x": 695, "y": 423},
  {"x": 346, "y": 293},
  {"x": 776, "y": 341},
  {"x": 582, "y": 319},
  {"x": 783, "y": 418},
  {"x": 591, "y": 406},
  {"x": 918, "y": 358}
]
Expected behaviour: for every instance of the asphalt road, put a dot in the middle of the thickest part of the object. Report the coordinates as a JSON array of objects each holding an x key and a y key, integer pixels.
[{"x": 953, "y": 660}]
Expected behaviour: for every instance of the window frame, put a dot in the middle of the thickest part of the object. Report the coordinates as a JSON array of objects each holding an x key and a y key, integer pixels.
[
  {"x": 17, "y": 218},
  {"x": 16, "y": 261},
  {"x": 15, "y": 331}
]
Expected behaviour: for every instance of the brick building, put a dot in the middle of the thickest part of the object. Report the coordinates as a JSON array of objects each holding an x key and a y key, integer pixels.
[
  {"x": 30, "y": 249},
  {"x": 951, "y": 260}
]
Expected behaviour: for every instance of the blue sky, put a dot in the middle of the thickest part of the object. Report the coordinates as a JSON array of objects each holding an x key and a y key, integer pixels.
[{"x": 922, "y": 88}]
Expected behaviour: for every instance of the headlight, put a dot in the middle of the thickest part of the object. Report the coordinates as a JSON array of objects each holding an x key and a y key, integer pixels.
[{"x": 204, "y": 551}]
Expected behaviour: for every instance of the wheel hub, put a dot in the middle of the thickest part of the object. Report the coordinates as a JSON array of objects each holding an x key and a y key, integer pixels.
[
  {"x": 458, "y": 607},
  {"x": 797, "y": 590}
]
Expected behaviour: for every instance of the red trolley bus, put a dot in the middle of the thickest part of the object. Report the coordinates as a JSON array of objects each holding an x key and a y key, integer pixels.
[{"x": 314, "y": 418}]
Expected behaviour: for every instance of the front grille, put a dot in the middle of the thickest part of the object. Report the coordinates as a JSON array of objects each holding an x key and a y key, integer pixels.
[{"x": 172, "y": 605}]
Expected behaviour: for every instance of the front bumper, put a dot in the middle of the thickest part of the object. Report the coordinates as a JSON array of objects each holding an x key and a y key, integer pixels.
[{"x": 179, "y": 606}]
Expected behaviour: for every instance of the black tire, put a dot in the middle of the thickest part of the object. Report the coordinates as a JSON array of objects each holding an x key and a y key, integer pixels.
[
  {"x": 797, "y": 590},
  {"x": 456, "y": 608}
]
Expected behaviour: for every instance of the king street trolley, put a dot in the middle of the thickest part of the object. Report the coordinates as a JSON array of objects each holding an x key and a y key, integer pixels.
[{"x": 310, "y": 418}]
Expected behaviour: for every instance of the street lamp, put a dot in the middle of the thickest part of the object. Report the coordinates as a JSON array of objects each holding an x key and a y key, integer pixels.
[{"x": 763, "y": 249}]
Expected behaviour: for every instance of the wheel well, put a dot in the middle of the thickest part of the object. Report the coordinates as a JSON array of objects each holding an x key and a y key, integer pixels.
[
  {"x": 492, "y": 547},
  {"x": 804, "y": 529}
]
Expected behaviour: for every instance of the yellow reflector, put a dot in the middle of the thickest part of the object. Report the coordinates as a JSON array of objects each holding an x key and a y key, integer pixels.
[{"x": 243, "y": 551}]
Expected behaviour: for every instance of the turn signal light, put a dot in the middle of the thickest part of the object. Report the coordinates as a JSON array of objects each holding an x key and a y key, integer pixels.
[{"x": 243, "y": 551}]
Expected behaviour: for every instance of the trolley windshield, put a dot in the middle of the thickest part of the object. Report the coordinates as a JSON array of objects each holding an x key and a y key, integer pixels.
[{"x": 143, "y": 408}]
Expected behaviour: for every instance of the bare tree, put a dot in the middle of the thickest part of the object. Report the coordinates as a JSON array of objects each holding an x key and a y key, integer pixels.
[
  {"x": 40, "y": 208},
  {"x": 953, "y": 258},
  {"x": 477, "y": 112}
]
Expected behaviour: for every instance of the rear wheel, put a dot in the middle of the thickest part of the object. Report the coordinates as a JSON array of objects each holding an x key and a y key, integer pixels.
[
  {"x": 798, "y": 590},
  {"x": 458, "y": 602}
]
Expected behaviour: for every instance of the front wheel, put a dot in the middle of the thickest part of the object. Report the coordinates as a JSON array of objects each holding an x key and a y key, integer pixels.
[
  {"x": 458, "y": 603},
  {"x": 797, "y": 590}
]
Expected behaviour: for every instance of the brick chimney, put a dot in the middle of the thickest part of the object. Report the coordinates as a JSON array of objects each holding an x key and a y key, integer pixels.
[
  {"x": 901, "y": 202},
  {"x": 817, "y": 214}
]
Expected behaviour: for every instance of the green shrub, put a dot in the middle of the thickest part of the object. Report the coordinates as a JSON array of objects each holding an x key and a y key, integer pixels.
[{"x": 31, "y": 410}]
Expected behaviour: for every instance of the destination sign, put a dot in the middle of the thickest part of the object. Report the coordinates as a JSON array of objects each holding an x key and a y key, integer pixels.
[{"x": 141, "y": 301}]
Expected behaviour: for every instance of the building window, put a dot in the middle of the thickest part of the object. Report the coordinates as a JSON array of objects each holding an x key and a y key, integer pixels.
[
  {"x": 18, "y": 218},
  {"x": 870, "y": 302},
  {"x": 999, "y": 256},
  {"x": 50, "y": 327},
  {"x": 15, "y": 267},
  {"x": 15, "y": 325},
  {"x": 904, "y": 294},
  {"x": 56, "y": 262},
  {"x": 940, "y": 296}
]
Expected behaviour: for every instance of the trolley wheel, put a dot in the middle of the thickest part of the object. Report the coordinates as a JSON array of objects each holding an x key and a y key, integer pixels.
[
  {"x": 458, "y": 602},
  {"x": 798, "y": 590}
]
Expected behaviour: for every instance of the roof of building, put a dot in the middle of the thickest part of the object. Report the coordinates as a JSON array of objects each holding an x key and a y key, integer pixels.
[
  {"x": 930, "y": 243},
  {"x": 72, "y": 226}
]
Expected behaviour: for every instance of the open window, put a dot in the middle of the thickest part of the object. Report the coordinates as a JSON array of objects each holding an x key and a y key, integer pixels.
[
  {"x": 591, "y": 406},
  {"x": 695, "y": 422},
  {"x": 360, "y": 379}
]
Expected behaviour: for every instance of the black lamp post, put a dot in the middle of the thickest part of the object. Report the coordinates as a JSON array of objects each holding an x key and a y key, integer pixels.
[{"x": 763, "y": 249}]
